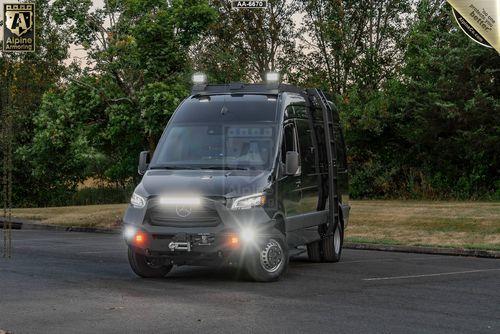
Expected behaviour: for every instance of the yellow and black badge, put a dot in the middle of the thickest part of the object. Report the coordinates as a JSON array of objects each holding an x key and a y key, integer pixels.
[{"x": 19, "y": 27}]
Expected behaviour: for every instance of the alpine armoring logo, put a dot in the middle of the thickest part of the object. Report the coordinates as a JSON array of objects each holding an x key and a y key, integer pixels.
[{"x": 19, "y": 27}]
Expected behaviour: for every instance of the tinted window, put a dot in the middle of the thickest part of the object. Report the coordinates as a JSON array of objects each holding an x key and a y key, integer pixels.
[
  {"x": 322, "y": 155},
  {"x": 306, "y": 147},
  {"x": 214, "y": 146},
  {"x": 227, "y": 108},
  {"x": 340, "y": 149},
  {"x": 317, "y": 114},
  {"x": 296, "y": 111},
  {"x": 289, "y": 141}
]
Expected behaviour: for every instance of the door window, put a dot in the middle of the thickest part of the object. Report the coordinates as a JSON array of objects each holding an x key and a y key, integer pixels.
[
  {"x": 306, "y": 147},
  {"x": 340, "y": 149},
  {"x": 289, "y": 141}
]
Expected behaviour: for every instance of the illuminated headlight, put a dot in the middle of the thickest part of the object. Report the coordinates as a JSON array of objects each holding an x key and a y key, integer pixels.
[
  {"x": 137, "y": 201},
  {"x": 247, "y": 202},
  {"x": 129, "y": 232},
  {"x": 248, "y": 234}
]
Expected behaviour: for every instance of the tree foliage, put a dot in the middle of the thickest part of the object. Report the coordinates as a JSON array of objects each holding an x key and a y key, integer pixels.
[
  {"x": 24, "y": 79},
  {"x": 243, "y": 45},
  {"x": 419, "y": 101},
  {"x": 138, "y": 66}
]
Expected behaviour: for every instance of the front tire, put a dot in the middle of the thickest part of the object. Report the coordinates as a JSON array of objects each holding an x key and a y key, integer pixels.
[
  {"x": 269, "y": 261},
  {"x": 147, "y": 267}
]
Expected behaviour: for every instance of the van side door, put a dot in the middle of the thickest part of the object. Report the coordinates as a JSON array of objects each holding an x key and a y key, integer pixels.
[
  {"x": 290, "y": 185},
  {"x": 309, "y": 177},
  {"x": 342, "y": 177}
]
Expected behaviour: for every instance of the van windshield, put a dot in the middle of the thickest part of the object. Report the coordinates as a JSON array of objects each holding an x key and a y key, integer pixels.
[
  {"x": 220, "y": 132},
  {"x": 217, "y": 146}
]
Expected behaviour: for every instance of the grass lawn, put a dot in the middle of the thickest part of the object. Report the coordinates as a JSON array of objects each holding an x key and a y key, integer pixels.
[
  {"x": 104, "y": 216},
  {"x": 473, "y": 225},
  {"x": 420, "y": 223}
]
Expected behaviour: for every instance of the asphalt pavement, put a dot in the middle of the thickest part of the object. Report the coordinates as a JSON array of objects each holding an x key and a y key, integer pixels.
[{"x": 68, "y": 282}]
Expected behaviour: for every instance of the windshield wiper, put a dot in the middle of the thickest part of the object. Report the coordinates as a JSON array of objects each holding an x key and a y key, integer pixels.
[
  {"x": 172, "y": 167},
  {"x": 224, "y": 168}
]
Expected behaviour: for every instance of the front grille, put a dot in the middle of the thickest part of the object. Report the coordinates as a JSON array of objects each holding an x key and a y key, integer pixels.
[{"x": 204, "y": 215}]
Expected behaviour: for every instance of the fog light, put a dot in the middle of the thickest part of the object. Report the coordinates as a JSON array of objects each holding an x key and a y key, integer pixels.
[
  {"x": 129, "y": 232},
  {"x": 247, "y": 234},
  {"x": 233, "y": 241},
  {"x": 139, "y": 238}
]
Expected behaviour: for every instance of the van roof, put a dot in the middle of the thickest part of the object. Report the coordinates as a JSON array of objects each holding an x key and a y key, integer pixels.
[{"x": 242, "y": 88}]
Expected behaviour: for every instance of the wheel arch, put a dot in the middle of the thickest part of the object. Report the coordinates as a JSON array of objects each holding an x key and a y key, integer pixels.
[{"x": 280, "y": 223}]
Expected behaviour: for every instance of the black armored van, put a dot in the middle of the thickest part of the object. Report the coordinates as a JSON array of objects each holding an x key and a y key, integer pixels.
[{"x": 246, "y": 175}]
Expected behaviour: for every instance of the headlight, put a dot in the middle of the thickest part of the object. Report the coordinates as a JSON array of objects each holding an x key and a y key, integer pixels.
[
  {"x": 129, "y": 232},
  {"x": 137, "y": 201},
  {"x": 247, "y": 202},
  {"x": 248, "y": 234}
]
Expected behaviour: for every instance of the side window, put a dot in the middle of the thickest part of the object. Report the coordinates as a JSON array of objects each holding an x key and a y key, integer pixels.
[
  {"x": 306, "y": 147},
  {"x": 341, "y": 149},
  {"x": 322, "y": 155},
  {"x": 289, "y": 141}
]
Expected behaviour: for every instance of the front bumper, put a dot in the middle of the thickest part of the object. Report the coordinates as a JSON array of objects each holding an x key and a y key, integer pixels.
[
  {"x": 190, "y": 248},
  {"x": 223, "y": 243}
]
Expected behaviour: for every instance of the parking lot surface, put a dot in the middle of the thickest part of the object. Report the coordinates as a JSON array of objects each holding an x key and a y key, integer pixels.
[{"x": 67, "y": 282}]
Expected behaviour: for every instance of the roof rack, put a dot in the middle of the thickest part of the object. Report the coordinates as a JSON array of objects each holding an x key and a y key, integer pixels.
[{"x": 242, "y": 88}]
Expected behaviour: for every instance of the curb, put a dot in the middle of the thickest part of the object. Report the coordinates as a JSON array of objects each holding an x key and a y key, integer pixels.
[{"x": 425, "y": 250}]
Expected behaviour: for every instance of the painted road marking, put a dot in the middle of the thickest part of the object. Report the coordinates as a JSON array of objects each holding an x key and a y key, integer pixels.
[
  {"x": 430, "y": 275},
  {"x": 426, "y": 258},
  {"x": 104, "y": 251}
]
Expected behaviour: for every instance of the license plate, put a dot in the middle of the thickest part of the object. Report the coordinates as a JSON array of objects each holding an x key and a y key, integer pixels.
[{"x": 179, "y": 246}]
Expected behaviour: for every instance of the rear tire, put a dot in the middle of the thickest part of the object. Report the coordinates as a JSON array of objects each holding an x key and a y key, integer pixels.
[
  {"x": 332, "y": 245},
  {"x": 145, "y": 267},
  {"x": 269, "y": 261},
  {"x": 314, "y": 251}
]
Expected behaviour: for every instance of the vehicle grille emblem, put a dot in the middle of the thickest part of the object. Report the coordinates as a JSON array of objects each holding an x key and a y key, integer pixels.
[{"x": 183, "y": 211}]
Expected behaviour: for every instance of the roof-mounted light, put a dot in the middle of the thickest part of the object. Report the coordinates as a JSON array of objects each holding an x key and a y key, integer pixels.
[
  {"x": 176, "y": 200},
  {"x": 272, "y": 77},
  {"x": 199, "y": 78}
]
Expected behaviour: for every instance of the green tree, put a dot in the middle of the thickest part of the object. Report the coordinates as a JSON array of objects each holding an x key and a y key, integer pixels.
[
  {"x": 24, "y": 78},
  {"x": 357, "y": 43},
  {"x": 139, "y": 66},
  {"x": 450, "y": 113},
  {"x": 244, "y": 44}
]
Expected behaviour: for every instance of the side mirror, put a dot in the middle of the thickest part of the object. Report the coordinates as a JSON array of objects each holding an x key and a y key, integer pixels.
[
  {"x": 292, "y": 163},
  {"x": 143, "y": 162}
]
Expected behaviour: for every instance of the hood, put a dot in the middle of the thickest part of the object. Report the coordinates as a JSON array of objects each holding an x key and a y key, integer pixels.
[{"x": 205, "y": 182}]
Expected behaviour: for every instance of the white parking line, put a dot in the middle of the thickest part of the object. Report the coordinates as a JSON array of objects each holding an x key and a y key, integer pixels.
[
  {"x": 104, "y": 251},
  {"x": 426, "y": 258},
  {"x": 430, "y": 275}
]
